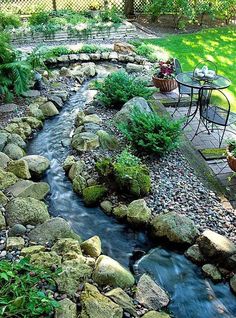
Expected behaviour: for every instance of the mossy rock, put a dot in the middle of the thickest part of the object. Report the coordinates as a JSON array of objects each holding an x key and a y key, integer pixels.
[
  {"x": 14, "y": 151},
  {"x": 7, "y": 179},
  {"x": 120, "y": 211},
  {"x": 138, "y": 212},
  {"x": 45, "y": 259},
  {"x": 33, "y": 122},
  {"x": 107, "y": 141},
  {"x": 4, "y": 159},
  {"x": 69, "y": 161},
  {"x": 2, "y": 221},
  {"x": 92, "y": 195},
  {"x": 79, "y": 184},
  {"x": 36, "y": 112},
  {"x": 92, "y": 246},
  {"x": 3, "y": 198},
  {"x": 20, "y": 168},
  {"x": 67, "y": 245},
  {"x": 17, "y": 140},
  {"x": 76, "y": 169}
]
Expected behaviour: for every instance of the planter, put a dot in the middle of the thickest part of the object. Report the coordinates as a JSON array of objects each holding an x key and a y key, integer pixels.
[
  {"x": 231, "y": 160},
  {"x": 165, "y": 85}
]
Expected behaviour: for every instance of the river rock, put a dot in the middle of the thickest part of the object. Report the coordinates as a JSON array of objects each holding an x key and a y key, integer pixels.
[
  {"x": 124, "y": 114},
  {"x": 37, "y": 164},
  {"x": 174, "y": 227},
  {"x": 211, "y": 271},
  {"x": 30, "y": 250},
  {"x": 35, "y": 111},
  {"x": 110, "y": 272},
  {"x": 85, "y": 141},
  {"x": 13, "y": 151},
  {"x": 79, "y": 119},
  {"x": 94, "y": 304},
  {"x": 66, "y": 245},
  {"x": 2, "y": 222},
  {"x": 19, "y": 168},
  {"x": 194, "y": 254},
  {"x": 4, "y": 159},
  {"x": 150, "y": 295},
  {"x": 14, "y": 243},
  {"x": 74, "y": 272},
  {"x": 120, "y": 211},
  {"x": 93, "y": 118},
  {"x": 7, "y": 179},
  {"x": 79, "y": 184},
  {"x": 3, "y": 140},
  {"x": 133, "y": 68},
  {"x": 56, "y": 100},
  {"x": 31, "y": 93},
  {"x": 27, "y": 188},
  {"x": 93, "y": 194},
  {"x": 156, "y": 314},
  {"x": 52, "y": 230},
  {"x": 123, "y": 300},
  {"x": 49, "y": 109},
  {"x": 215, "y": 246},
  {"x": 69, "y": 161},
  {"x": 3, "y": 199},
  {"x": 26, "y": 211},
  {"x": 89, "y": 69},
  {"x": 17, "y": 140},
  {"x": 45, "y": 259},
  {"x": 17, "y": 230},
  {"x": 107, "y": 141},
  {"x": 66, "y": 309},
  {"x": 138, "y": 212},
  {"x": 92, "y": 246},
  {"x": 106, "y": 206},
  {"x": 232, "y": 283},
  {"x": 33, "y": 122},
  {"x": 77, "y": 169}
]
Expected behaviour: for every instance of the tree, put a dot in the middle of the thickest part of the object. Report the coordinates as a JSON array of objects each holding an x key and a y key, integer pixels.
[{"x": 129, "y": 8}]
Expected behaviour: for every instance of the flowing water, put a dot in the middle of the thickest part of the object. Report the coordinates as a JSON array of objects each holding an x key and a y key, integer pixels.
[{"x": 192, "y": 296}]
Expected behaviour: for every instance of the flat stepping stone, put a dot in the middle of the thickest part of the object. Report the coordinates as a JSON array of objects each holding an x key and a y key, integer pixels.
[
  {"x": 31, "y": 93},
  {"x": 8, "y": 108}
]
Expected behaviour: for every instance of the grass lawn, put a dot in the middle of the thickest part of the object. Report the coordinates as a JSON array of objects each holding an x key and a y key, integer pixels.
[{"x": 217, "y": 45}]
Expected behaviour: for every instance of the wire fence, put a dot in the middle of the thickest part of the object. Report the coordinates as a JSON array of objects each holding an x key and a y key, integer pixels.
[{"x": 29, "y": 6}]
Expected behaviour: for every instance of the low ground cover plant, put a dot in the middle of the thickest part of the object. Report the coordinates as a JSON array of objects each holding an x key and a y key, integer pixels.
[
  {"x": 151, "y": 133},
  {"x": 25, "y": 290},
  {"x": 119, "y": 87},
  {"x": 9, "y": 20},
  {"x": 127, "y": 172}
]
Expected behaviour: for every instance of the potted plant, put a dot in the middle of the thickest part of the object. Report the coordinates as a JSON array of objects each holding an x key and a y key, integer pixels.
[
  {"x": 231, "y": 154},
  {"x": 164, "y": 77}
]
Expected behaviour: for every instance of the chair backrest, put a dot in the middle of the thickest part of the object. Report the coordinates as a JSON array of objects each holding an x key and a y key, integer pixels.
[
  {"x": 178, "y": 67},
  {"x": 214, "y": 106}
]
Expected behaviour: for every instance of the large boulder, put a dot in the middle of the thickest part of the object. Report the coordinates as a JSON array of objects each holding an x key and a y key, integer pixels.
[
  {"x": 92, "y": 246},
  {"x": 66, "y": 309},
  {"x": 215, "y": 246},
  {"x": 49, "y": 109},
  {"x": 37, "y": 164},
  {"x": 73, "y": 273},
  {"x": 150, "y": 295},
  {"x": 93, "y": 194},
  {"x": 174, "y": 227},
  {"x": 52, "y": 230},
  {"x": 124, "y": 114},
  {"x": 110, "y": 272},
  {"x": 7, "y": 179},
  {"x": 123, "y": 300},
  {"x": 138, "y": 212},
  {"x": 26, "y": 211},
  {"x": 94, "y": 304},
  {"x": 85, "y": 141},
  {"x": 27, "y": 188},
  {"x": 4, "y": 159},
  {"x": 14, "y": 151},
  {"x": 20, "y": 168}
]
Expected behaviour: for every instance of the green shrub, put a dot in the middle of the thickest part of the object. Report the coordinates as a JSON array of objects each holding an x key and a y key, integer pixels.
[
  {"x": 152, "y": 133},
  {"x": 22, "y": 292},
  {"x": 127, "y": 172},
  {"x": 119, "y": 87},
  {"x": 9, "y": 20},
  {"x": 111, "y": 15},
  {"x": 38, "y": 18}
]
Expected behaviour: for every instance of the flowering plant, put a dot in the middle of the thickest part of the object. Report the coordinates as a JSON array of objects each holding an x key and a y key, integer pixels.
[{"x": 165, "y": 69}]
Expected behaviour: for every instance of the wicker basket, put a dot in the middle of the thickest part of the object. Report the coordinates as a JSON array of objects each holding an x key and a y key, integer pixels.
[
  {"x": 231, "y": 160},
  {"x": 165, "y": 85}
]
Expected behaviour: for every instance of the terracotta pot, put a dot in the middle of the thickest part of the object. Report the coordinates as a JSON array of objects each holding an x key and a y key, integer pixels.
[
  {"x": 165, "y": 85},
  {"x": 231, "y": 160}
]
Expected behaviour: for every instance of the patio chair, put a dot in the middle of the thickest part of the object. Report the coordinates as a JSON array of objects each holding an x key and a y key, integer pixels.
[
  {"x": 183, "y": 90},
  {"x": 215, "y": 109}
]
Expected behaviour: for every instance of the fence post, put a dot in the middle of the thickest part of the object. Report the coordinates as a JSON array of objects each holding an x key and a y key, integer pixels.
[{"x": 54, "y": 5}]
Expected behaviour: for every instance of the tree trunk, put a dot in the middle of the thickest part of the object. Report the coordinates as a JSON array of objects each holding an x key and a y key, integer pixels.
[{"x": 129, "y": 8}]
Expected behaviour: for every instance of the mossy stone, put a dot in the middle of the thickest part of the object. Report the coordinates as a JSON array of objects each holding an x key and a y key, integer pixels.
[
  {"x": 3, "y": 198},
  {"x": 45, "y": 259},
  {"x": 20, "y": 168},
  {"x": 7, "y": 179},
  {"x": 92, "y": 246},
  {"x": 79, "y": 184},
  {"x": 92, "y": 195},
  {"x": 120, "y": 211}
]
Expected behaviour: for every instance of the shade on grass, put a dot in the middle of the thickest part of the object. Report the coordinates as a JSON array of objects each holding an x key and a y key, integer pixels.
[{"x": 217, "y": 45}]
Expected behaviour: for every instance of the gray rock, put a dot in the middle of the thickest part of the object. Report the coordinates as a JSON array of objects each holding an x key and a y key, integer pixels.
[
  {"x": 2, "y": 222},
  {"x": 17, "y": 140},
  {"x": 17, "y": 230},
  {"x": 4, "y": 159},
  {"x": 85, "y": 141},
  {"x": 232, "y": 283},
  {"x": 13, "y": 151},
  {"x": 194, "y": 254},
  {"x": 174, "y": 227},
  {"x": 212, "y": 272},
  {"x": 123, "y": 300},
  {"x": 15, "y": 243},
  {"x": 124, "y": 114},
  {"x": 26, "y": 188},
  {"x": 133, "y": 68},
  {"x": 107, "y": 141},
  {"x": 92, "y": 246},
  {"x": 49, "y": 109},
  {"x": 138, "y": 212},
  {"x": 31, "y": 93},
  {"x": 7, "y": 179},
  {"x": 37, "y": 164},
  {"x": 52, "y": 230},
  {"x": 35, "y": 111},
  {"x": 8, "y": 108},
  {"x": 106, "y": 206},
  {"x": 69, "y": 161},
  {"x": 150, "y": 295},
  {"x": 26, "y": 211},
  {"x": 57, "y": 101},
  {"x": 3, "y": 140}
]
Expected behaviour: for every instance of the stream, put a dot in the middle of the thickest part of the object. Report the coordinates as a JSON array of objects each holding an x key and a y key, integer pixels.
[{"x": 192, "y": 296}]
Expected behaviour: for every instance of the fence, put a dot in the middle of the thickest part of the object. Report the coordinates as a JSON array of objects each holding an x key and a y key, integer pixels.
[{"x": 29, "y": 6}]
